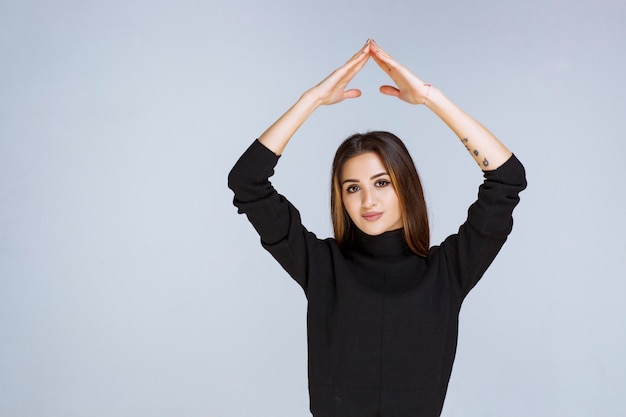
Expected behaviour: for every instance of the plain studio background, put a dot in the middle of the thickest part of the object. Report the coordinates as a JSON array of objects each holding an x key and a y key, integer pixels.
[{"x": 129, "y": 286}]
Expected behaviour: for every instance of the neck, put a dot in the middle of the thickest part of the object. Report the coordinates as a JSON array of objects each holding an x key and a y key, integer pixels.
[{"x": 388, "y": 244}]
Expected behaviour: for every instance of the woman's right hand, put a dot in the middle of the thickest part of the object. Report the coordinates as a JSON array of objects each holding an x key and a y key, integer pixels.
[
  {"x": 330, "y": 91},
  {"x": 333, "y": 88}
]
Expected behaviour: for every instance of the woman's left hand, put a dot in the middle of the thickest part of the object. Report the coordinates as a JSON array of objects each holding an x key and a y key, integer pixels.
[{"x": 408, "y": 87}]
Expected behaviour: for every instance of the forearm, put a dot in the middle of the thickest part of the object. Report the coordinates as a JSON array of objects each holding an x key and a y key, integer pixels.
[
  {"x": 276, "y": 137},
  {"x": 488, "y": 152}
]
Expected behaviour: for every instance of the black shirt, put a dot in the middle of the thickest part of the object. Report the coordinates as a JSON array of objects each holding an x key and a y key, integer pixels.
[{"x": 382, "y": 322}]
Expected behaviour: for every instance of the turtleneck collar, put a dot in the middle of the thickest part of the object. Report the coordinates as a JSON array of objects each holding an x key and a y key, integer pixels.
[{"x": 388, "y": 244}]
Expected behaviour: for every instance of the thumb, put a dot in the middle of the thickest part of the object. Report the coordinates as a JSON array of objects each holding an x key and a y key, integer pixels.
[
  {"x": 352, "y": 93},
  {"x": 389, "y": 90}
]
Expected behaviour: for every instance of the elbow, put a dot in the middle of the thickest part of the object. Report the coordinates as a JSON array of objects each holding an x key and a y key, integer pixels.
[{"x": 234, "y": 180}]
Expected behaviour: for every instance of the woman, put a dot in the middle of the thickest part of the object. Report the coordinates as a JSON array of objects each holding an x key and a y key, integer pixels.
[{"x": 382, "y": 305}]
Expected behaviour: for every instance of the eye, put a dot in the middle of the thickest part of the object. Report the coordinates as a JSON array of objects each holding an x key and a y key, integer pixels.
[
  {"x": 382, "y": 183},
  {"x": 352, "y": 189}
]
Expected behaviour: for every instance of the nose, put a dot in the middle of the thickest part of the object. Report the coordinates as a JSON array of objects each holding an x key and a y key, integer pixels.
[{"x": 367, "y": 199}]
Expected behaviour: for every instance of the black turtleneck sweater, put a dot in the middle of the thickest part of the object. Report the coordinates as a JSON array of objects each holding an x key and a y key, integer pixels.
[{"x": 382, "y": 321}]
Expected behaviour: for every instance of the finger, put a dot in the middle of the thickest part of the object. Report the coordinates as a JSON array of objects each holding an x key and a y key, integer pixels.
[
  {"x": 360, "y": 63},
  {"x": 380, "y": 51},
  {"x": 360, "y": 58},
  {"x": 352, "y": 93},
  {"x": 383, "y": 59},
  {"x": 385, "y": 63},
  {"x": 352, "y": 67},
  {"x": 363, "y": 51},
  {"x": 390, "y": 90},
  {"x": 348, "y": 70},
  {"x": 382, "y": 64}
]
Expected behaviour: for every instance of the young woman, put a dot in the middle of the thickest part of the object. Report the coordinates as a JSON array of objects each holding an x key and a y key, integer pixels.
[{"x": 382, "y": 304}]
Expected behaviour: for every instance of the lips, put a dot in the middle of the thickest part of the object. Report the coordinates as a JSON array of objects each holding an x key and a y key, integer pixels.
[{"x": 372, "y": 216}]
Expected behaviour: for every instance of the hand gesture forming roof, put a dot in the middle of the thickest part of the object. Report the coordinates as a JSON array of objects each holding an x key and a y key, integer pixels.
[
  {"x": 488, "y": 152},
  {"x": 333, "y": 89}
]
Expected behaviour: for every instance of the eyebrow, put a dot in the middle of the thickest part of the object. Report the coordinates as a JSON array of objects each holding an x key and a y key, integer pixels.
[{"x": 371, "y": 178}]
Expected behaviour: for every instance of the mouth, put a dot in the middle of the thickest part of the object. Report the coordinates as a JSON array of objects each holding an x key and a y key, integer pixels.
[{"x": 372, "y": 216}]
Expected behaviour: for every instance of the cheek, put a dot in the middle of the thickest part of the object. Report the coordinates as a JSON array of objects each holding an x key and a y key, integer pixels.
[
  {"x": 396, "y": 201},
  {"x": 393, "y": 200},
  {"x": 351, "y": 205}
]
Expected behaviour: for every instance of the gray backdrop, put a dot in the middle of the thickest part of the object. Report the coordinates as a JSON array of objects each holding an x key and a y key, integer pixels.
[{"x": 129, "y": 286}]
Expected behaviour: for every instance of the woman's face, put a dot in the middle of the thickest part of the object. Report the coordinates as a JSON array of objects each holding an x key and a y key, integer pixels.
[{"x": 369, "y": 196}]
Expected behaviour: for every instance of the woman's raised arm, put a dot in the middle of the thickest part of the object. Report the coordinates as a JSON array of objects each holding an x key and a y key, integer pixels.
[
  {"x": 330, "y": 91},
  {"x": 488, "y": 152}
]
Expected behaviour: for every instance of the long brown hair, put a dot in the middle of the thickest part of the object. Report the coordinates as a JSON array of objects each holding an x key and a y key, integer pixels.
[{"x": 404, "y": 177}]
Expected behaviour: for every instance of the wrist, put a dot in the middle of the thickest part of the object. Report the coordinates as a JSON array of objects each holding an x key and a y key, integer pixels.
[
  {"x": 433, "y": 97},
  {"x": 310, "y": 99},
  {"x": 427, "y": 93}
]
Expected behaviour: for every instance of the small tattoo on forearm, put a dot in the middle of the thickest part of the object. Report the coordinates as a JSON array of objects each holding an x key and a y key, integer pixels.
[
  {"x": 465, "y": 140},
  {"x": 485, "y": 162},
  {"x": 476, "y": 152}
]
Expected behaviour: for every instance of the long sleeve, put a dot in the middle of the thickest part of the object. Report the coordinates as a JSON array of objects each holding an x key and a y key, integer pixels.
[
  {"x": 275, "y": 219},
  {"x": 489, "y": 222},
  {"x": 382, "y": 322}
]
